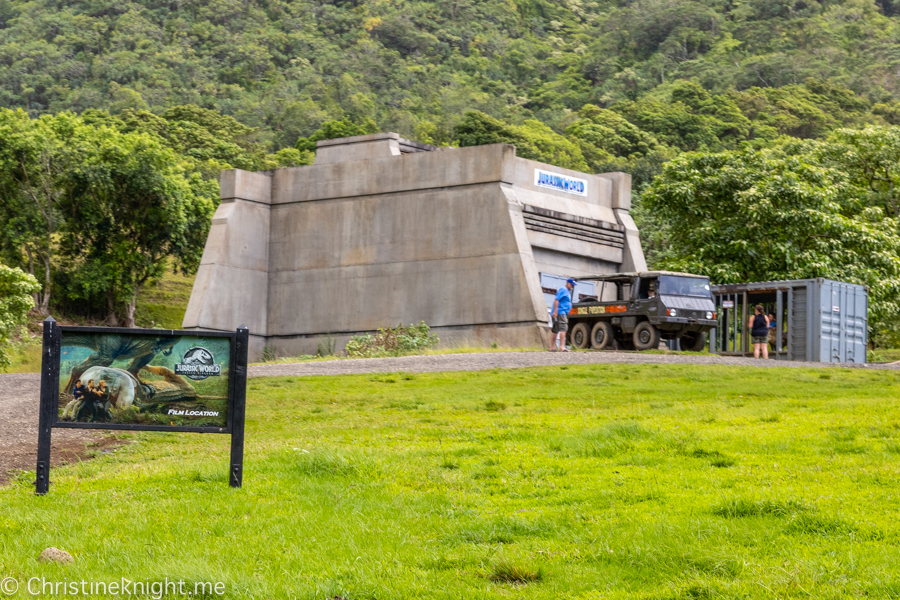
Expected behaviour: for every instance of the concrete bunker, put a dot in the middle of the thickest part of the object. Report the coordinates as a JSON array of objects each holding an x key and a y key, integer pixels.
[{"x": 381, "y": 230}]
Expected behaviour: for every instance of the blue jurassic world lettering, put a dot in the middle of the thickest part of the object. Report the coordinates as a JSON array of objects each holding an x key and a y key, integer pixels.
[{"x": 560, "y": 182}]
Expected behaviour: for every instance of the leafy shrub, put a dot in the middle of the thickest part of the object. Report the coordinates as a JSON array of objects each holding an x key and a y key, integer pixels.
[
  {"x": 392, "y": 341},
  {"x": 16, "y": 288}
]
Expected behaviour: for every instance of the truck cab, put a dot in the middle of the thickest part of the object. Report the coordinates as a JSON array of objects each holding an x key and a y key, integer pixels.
[{"x": 637, "y": 310}]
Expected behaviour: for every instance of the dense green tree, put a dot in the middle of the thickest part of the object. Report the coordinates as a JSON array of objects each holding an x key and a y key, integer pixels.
[
  {"x": 35, "y": 156},
  {"x": 776, "y": 214},
  {"x": 285, "y": 68},
  {"x": 212, "y": 141},
  {"x": 608, "y": 141},
  {"x": 871, "y": 159},
  {"x": 132, "y": 209},
  {"x": 102, "y": 209},
  {"x": 16, "y": 290}
]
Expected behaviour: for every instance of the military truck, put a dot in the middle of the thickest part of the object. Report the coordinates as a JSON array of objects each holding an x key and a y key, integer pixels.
[{"x": 634, "y": 311}]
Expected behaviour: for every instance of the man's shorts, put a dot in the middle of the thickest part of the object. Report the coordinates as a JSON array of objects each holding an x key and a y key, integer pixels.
[
  {"x": 560, "y": 324},
  {"x": 760, "y": 339}
]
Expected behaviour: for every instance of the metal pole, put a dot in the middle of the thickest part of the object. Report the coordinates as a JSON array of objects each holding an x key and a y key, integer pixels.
[
  {"x": 790, "y": 324},
  {"x": 736, "y": 317},
  {"x": 49, "y": 402},
  {"x": 239, "y": 366},
  {"x": 779, "y": 320},
  {"x": 744, "y": 317},
  {"x": 734, "y": 325},
  {"x": 725, "y": 330}
]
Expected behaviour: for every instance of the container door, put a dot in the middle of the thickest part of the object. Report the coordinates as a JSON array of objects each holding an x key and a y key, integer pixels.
[
  {"x": 856, "y": 324},
  {"x": 830, "y": 314}
]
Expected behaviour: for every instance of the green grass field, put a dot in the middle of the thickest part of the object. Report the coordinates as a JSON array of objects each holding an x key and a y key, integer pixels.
[{"x": 607, "y": 481}]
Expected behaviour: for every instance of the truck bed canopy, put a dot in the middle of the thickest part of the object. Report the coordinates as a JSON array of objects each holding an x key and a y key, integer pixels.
[{"x": 642, "y": 274}]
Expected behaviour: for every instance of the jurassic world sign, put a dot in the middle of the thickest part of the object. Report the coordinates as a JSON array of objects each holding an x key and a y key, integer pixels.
[
  {"x": 142, "y": 379},
  {"x": 562, "y": 183}
]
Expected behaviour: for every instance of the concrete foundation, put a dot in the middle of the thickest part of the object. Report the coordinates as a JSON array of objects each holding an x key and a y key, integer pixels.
[{"x": 381, "y": 231}]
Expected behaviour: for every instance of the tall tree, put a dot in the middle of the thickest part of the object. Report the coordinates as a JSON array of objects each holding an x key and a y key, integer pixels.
[
  {"x": 104, "y": 210},
  {"x": 34, "y": 159},
  {"x": 133, "y": 208}
]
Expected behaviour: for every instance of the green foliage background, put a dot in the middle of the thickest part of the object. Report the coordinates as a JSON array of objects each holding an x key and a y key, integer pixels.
[{"x": 286, "y": 67}]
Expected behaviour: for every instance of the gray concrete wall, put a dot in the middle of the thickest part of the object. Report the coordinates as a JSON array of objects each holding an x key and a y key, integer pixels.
[
  {"x": 232, "y": 283},
  {"x": 381, "y": 231}
]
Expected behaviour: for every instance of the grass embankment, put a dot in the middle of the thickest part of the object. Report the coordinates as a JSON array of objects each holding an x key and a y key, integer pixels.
[
  {"x": 163, "y": 304},
  {"x": 606, "y": 481}
]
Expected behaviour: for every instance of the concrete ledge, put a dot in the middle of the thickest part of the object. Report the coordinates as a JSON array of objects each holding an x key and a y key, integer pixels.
[
  {"x": 358, "y": 139},
  {"x": 568, "y": 245},
  {"x": 633, "y": 256},
  {"x": 239, "y": 236},
  {"x": 246, "y": 185},
  {"x": 621, "y": 189},
  {"x": 391, "y": 174}
]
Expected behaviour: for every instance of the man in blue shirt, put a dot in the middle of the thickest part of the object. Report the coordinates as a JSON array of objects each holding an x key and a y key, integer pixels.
[{"x": 561, "y": 307}]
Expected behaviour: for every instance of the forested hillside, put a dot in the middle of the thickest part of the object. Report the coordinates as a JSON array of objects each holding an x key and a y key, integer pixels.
[
  {"x": 286, "y": 67},
  {"x": 763, "y": 135}
]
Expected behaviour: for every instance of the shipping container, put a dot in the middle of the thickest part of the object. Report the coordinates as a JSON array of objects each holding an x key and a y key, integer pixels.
[{"x": 819, "y": 320}]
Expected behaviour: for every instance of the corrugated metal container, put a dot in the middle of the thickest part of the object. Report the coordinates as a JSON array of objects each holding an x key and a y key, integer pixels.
[{"x": 820, "y": 320}]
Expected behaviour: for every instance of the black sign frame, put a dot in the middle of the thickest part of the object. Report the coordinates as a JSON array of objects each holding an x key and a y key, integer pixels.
[{"x": 49, "y": 407}]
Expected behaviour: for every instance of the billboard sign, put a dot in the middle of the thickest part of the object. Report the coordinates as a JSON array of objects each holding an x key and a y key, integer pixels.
[
  {"x": 154, "y": 379},
  {"x": 142, "y": 379}
]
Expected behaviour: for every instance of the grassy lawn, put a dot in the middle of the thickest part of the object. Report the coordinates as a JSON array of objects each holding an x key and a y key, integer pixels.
[{"x": 606, "y": 481}]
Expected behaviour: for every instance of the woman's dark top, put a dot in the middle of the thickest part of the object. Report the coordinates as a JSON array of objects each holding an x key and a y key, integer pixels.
[{"x": 760, "y": 329}]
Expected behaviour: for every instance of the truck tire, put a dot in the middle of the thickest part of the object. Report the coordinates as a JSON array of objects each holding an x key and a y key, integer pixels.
[
  {"x": 579, "y": 336},
  {"x": 602, "y": 336},
  {"x": 646, "y": 336},
  {"x": 694, "y": 341}
]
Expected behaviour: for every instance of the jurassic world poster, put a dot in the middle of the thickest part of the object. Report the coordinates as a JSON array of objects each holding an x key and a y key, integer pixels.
[{"x": 141, "y": 379}]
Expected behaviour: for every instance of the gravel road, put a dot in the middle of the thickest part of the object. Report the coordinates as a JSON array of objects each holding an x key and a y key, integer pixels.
[
  {"x": 19, "y": 404},
  {"x": 518, "y": 360},
  {"x": 20, "y": 400}
]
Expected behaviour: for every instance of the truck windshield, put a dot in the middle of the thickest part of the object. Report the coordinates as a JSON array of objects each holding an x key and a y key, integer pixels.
[{"x": 684, "y": 286}]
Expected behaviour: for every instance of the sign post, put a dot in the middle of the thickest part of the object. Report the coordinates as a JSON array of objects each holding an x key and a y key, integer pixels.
[
  {"x": 142, "y": 380},
  {"x": 236, "y": 415}
]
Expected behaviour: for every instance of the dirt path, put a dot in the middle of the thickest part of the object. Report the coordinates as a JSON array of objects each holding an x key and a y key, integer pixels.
[
  {"x": 19, "y": 406},
  {"x": 20, "y": 400},
  {"x": 518, "y": 360}
]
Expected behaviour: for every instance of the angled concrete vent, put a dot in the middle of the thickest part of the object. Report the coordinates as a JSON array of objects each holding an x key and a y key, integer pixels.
[{"x": 364, "y": 147}]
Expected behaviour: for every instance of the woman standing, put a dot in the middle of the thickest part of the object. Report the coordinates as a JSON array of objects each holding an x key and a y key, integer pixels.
[{"x": 759, "y": 332}]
